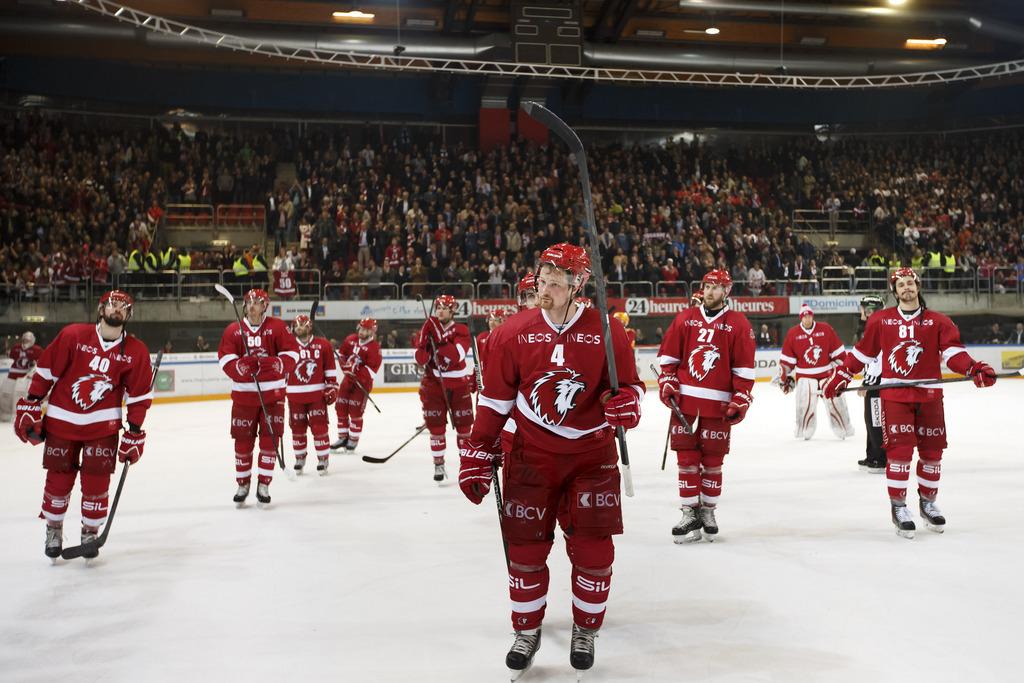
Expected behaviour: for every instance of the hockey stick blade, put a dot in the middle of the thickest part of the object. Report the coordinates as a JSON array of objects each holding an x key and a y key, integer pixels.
[
  {"x": 224, "y": 292},
  {"x": 378, "y": 461},
  {"x": 553, "y": 122}
]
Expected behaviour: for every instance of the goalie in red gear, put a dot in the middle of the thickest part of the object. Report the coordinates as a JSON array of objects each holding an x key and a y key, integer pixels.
[
  {"x": 442, "y": 348},
  {"x": 360, "y": 360},
  {"x": 547, "y": 370},
  {"x": 89, "y": 372},
  {"x": 810, "y": 351},
  {"x": 261, "y": 351},
  {"x": 707, "y": 369},
  {"x": 15, "y": 385},
  {"x": 912, "y": 342},
  {"x": 312, "y": 386}
]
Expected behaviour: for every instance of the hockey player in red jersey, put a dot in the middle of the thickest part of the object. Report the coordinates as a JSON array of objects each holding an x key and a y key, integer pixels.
[
  {"x": 913, "y": 342},
  {"x": 547, "y": 369},
  {"x": 494, "y": 318},
  {"x": 15, "y": 385},
  {"x": 707, "y": 368},
  {"x": 809, "y": 352},
  {"x": 312, "y": 386},
  {"x": 526, "y": 292},
  {"x": 262, "y": 352},
  {"x": 360, "y": 362},
  {"x": 442, "y": 349},
  {"x": 89, "y": 371}
]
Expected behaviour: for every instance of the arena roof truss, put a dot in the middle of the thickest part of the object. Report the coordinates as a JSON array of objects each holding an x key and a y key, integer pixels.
[{"x": 382, "y": 62}]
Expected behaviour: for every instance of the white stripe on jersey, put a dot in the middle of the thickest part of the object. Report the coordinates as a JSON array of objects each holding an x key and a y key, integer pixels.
[{"x": 104, "y": 415}]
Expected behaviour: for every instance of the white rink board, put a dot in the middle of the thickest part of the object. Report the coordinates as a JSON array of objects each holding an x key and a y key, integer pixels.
[{"x": 376, "y": 574}]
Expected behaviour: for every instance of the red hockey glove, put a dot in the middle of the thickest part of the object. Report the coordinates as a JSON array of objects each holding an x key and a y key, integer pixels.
[
  {"x": 786, "y": 380},
  {"x": 475, "y": 468},
  {"x": 622, "y": 409},
  {"x": 248, "y": 365},
  {"x": 349, "y": 364},
  {"x": 330, "y": 393},
  {"x": 28, "y": 421},
  {"x": 438, "y": 333},
  {"x": 982, "y": 374},
  {"x": 668, "y": 388},
  {"x": 271, "y": 365},
  {"x": 837, "y": 382},
  {"x": 133, "y": 442},
  {"x": 736, "y": 409},
  {"x": 474, "y": 386}
]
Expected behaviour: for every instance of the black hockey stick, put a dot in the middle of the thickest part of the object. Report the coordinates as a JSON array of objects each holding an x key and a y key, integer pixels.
[
  {"x": 569, "y": 137},
  {"x": 919, "y": 382},
  {"x": 79, "y": 550},
  {"x": 259, "y": 391},
  {"x": 361, "y": 388},
  {"x": 378, "y": 461},
  {"x": 664, "y": 453},
  {"x": 495, "y": 479},
  {"x": 687, "y": 427}
]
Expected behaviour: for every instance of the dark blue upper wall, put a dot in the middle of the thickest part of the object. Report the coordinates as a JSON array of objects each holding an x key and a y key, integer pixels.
[{"x": 428, "y": 98}]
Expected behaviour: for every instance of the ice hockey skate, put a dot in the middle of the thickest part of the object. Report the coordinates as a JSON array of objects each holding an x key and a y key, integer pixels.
[
  {"x": 903, "y": 522},
  {"x": 241, "y": 494},
  {"x": 262, "y": 495},
  {"x": 708, "y": 522},
  {"x": 89, "y": 549},
  {"x": 689, "y": 527},
  {"x": 321, "y": 467},
  {"x": 520, "y": 656},
  {"x": 875, "y": 467},
  {"x": 300, "y": 463},
  {"x": 350, "y": 445},
  {"x": 581, "y": 649},
  {"x": 440, "y": 474},
  {"x": 54, "y": 542},
  {"x": 932, "y": 516},
  {"x": 340, "y": 443}
]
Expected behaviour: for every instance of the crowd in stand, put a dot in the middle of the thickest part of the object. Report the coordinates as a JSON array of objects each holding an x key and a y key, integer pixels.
[{"x": 82, "y": 202}]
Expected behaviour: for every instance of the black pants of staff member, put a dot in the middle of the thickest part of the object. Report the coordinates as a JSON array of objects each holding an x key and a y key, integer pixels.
[{"x": 873, "y": 424}]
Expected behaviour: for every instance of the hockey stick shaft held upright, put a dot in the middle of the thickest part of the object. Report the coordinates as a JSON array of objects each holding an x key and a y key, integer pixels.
[
  {"x": 495, "y": 478},
  {"x": 569, "y": 137}
]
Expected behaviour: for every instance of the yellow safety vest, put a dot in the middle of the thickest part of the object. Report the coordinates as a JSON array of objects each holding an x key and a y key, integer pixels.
[
  {"x": 151, "y": 263},
  {"x": 169, "y": 259},
  {"x": 934, "y": 259},
  {"x": 259, "y": 265},
  {"x": 184, "y": 262},
  {"x": 134, "y": 261},
  {"x": 239, "y": 268},
  {"x": 917, "y": 262},
  {"x": 950, "y": 266}
]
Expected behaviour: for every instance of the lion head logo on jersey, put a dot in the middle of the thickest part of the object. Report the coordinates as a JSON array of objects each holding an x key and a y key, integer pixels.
[
  {"x": 812, "y": 355},
  {"x": 304, "y": 370},
  {"x": 554, "y": 394},
  {"x": 89, "y": 390},
  {"x": 904, "y": 356},
  {"x": 702, "y": 360}
]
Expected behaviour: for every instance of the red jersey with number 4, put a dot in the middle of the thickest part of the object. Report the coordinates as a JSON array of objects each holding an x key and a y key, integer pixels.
[
  {"x": 913, "y": 348},
  {"x": 90, "y": 379},
  {"x": 315, "y": 369},
  {"x": 269, "y": 338},
  {"x": 713, "y": 357},
  {"x": 813, "y": 352},
  {"x": 551, "y": 382},
  {"x": 365, "y": 359},
  {"x": 23, "y": 360}
]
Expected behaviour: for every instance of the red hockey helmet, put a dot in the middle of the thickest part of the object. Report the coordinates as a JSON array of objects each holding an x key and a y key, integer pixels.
[
  {"x": 257, "y": 294},
  {"x": 446, "y": 301},
  {"x": 718, "y": 276},
  {"x": 570, "y": 258},
  {"x": 905, "y": 271},
  {"x": 120, "y": 298},
  {"x": 301, "y": 320},
  {"x": 368, "y": 324},
  {"x": 527, "y": 284},
  {"x": 584, "y": 301},
  {"x": 496, "y": 315}
]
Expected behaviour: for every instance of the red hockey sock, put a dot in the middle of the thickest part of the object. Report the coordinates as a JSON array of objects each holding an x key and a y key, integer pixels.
[
  {"x": 689, "y": 477},
  {"x": 929, "y": 470},
  {"x": 299, "y": 445},
  {"x": 56, "y": 494},
  {"x": 528, "y": 592},
  {"x": 589, "y": 597},
  {"x": 355, "y": 429},
  {"x": 897, "y": 473},
  {"x": 265, "y": 470},
  {"x": 437, "y": 447},
  {"x": 243, "y": 461},
  {"x": 710, "y": 486},
  {"x": 322, "y": 443},
  {"x": 94, "y": 499}
]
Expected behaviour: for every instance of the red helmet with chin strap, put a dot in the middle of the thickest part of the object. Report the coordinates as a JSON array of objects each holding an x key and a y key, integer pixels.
[
  {"x": 120, "y": 297},
  {"x": 368, "y": 324},
  {"x": 718, "y": 276},
  {"x": 527, "y": 284},
  {"x": 570, "y": 258},
  {"x": 301, "y": 320},
  {"x": 256, "y": 293},
  {"x": 445, "y": 301}
]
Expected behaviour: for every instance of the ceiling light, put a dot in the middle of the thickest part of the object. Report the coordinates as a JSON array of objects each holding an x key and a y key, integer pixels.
[
  {"x": 925, "y": 43},
  {"x": 712, "y": 31},
  {"x": 650, "y": 33},
  {"x": 421, "y": 23},
  {"x": 897, "y": 3},
  {"x": 812, "y": 41},
  {"x": 885, "y": 11},
  {"x": 353, "y": 15}
]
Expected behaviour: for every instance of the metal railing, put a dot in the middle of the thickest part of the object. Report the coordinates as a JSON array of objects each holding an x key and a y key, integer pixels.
[
  {"x": 241, "y": 215},
  {"x": 676, "y": 289},
  {"x": 822, "y": 221},
  {"x": 488, "y": 290},
  {"x": 352, "y": 291},
  {"x": 189, "y": 216},
  {"x": 429, "y": 290}
]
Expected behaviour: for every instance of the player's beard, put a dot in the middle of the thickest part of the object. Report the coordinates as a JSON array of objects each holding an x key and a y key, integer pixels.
[{"x": 713, "y": 304}]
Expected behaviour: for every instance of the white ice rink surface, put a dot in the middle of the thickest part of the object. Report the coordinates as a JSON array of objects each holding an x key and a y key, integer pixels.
[{"x": 375, "y": 573}]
